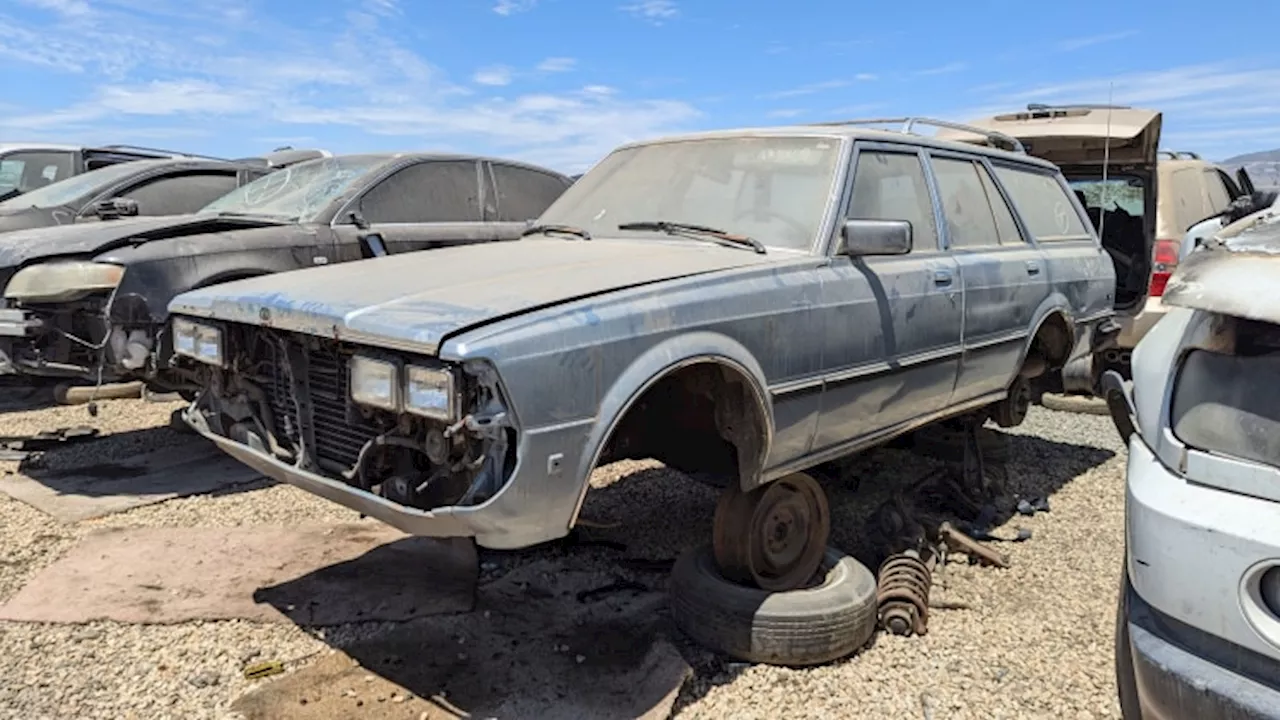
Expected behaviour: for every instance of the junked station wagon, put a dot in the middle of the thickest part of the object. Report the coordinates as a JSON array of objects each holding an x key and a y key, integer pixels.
[{"x": 739, "y": 304}]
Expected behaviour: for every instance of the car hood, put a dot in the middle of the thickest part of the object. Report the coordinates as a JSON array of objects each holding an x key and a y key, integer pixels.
[
  {"x": 26, "y": 218},
  {"x": 90, "y": 238},
  {"x": 413, "y": 301},
  {"x": 1232, "y": 273}
]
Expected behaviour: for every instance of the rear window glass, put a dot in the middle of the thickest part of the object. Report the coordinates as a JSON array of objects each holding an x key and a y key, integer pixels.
[
  {"x": 1043, "y": 204},
  {"x": 1229, "y": 405}
]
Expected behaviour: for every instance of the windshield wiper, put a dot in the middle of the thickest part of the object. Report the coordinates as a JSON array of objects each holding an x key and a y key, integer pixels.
[
  {"x": 556, "y": 229},
  {"x": 674, "y": 228}
]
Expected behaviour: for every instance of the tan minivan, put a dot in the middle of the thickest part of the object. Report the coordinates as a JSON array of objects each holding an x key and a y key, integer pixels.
[{"x": 1141, "y": 200}]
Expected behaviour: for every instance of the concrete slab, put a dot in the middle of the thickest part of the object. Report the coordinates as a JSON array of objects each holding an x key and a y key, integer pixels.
[
  {"x": 531, "y": 649},
  {"x": 74, "y": 494},
  {"x": 318, "y": 575}
]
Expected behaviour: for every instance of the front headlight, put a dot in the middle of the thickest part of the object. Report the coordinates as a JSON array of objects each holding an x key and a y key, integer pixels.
[
  {"x": 374, "y": 383},
  {"x": 429, "y": 393},
  {"x": 62, "y": 281},
  {"x": 197, "y": 341}
]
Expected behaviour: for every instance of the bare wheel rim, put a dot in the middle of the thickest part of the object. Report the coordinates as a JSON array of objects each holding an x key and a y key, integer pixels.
[{"x": 774, "y": 536}]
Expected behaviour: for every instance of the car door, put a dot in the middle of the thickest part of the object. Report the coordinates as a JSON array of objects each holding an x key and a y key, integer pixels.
[
  {"x": 892, "y": 323},
  {"x": 427, "y": 204},
  {"x": 176, "y": 193},
  {"x": 1005, "y": 278}
]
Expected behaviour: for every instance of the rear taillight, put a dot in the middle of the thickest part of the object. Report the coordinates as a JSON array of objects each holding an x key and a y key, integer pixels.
[{"x": 1164, "y": 260}]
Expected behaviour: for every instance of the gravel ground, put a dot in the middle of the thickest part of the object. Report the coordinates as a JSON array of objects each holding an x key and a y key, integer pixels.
[{"x": 1036, "y": 641}]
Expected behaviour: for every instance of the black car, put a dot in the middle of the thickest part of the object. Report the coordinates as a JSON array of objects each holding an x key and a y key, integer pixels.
[
  {"x": 87, "y": 302},
  {"x": 157, "y": 186}
]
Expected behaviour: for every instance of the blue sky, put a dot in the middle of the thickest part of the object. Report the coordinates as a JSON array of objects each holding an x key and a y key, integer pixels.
[{"x": 562, "y": 82}]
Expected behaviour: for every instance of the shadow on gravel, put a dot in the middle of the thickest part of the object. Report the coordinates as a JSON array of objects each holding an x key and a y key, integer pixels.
[{"x": 579, "y": 627}]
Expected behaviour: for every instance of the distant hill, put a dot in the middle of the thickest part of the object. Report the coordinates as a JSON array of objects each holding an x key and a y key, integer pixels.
[{"x": 1263, "y": 166}]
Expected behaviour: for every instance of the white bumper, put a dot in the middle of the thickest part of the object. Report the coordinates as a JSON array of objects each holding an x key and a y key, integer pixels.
[{"x": 1191, "y": 547}]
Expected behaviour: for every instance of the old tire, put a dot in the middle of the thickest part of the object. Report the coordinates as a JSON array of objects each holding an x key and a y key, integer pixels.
[
  {"x": 794, "y": 628},
  {"x": 1081, "y": 404},
  {"x": 947, "y": 445}
]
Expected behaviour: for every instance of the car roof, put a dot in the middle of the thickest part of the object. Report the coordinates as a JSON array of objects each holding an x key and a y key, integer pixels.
[
  {"x": 854, "y": 130},
  {"x": 432, "y": 155},
  {"x": 36, "y": 146}
]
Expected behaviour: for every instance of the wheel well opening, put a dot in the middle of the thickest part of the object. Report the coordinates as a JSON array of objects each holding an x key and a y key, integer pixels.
[
  {"x": 1052, "y": 342},
  {"x": 704, "y": 420}
]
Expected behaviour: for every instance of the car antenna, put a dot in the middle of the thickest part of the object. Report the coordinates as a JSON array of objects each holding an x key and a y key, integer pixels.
[{"x": 1106, "y": 159}]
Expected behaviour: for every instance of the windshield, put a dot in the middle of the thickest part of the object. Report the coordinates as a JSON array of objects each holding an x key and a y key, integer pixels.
[
  {"x": 773, "y": 189},
  {"x": 299, "y": 192},
  {"x": 75, "y": 188}
]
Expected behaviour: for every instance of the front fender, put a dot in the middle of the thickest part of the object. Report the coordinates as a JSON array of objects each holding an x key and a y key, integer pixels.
[{"x": 660, "y": 360}]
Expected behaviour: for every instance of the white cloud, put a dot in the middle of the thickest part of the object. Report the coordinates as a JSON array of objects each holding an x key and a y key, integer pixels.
[
  {"x": 786, "y": 113},
  {"x": 866, "y": 77},
  {"x": 153, "y": 75},
  {"x": 810, "y": 89},
  {"x": 511, "y": 7},
  {"x": 494, "y": 75},
  {"x": 1083, "y": 42},
  {"x": 70, "y": 8},
  {"x": 557, "y": 64},
  {"x": 385, "y": 8},
  {"x": 654, "y": 11},
  {"x": 947, "y": 69}
]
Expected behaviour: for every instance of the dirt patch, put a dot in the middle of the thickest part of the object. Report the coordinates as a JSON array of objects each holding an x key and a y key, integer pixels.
[
  {"x": 532, "y": 649},
  {"x": 97, "y": 489},
  {"x": 320, "y": 575}
]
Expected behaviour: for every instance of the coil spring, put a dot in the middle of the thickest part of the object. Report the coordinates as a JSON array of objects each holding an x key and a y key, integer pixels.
[{"x": 902, "y": 593}]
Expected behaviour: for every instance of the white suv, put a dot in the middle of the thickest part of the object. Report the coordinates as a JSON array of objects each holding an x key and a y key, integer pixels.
[{"x": 1198, "y": 622}]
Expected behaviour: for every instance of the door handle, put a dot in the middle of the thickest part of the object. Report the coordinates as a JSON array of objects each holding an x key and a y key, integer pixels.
[
  {"x": 941, "y": 278},
  {"x": 1033, "y": 267}
]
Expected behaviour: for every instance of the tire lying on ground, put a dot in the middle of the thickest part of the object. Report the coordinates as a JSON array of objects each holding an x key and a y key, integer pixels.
[
  {"x": 810, "y": 626},
  {"x": 947, "y": 444},
  {"x": 1082, "y": 404}
]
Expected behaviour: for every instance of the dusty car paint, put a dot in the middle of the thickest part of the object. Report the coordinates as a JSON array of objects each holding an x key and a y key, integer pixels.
[
  {"x": 1232, "y": 276},
  {"x": 823, "y": 354}
]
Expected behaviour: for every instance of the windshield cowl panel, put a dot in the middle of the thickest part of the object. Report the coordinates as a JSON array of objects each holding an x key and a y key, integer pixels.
[
  {"x": 298, "y": 193},
  {"x": 775, "y": 189}
]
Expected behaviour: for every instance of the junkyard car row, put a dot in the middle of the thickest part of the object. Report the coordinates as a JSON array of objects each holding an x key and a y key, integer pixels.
[{"x": 746, "y": 306}]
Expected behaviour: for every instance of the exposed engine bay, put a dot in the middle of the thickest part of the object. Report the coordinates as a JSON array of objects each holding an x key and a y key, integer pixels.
[
  {"x": 289, "y": 395},
  {"x": 77, "y": 340}
]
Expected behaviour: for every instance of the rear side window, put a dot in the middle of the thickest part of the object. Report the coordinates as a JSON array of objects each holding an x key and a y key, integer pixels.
[
  {"x": 180, "y": 194},
  {"x": 1043, "y": 204},
  {"x": 970, "y": 222},
  {"x": 27, "y": 170},
  {"x": 891, "y": 186},
  {"x": 523, "y": 193},
  {"x": 443, "y": 191},
  {"x": 1219, "y": 195}
]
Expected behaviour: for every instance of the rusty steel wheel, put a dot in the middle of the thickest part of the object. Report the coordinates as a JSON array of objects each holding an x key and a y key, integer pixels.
[{"x": 774, "y": 536}]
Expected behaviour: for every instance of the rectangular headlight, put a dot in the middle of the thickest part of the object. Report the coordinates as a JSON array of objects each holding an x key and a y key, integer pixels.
[
  {"x": 374, "y": 383},
  {"x": 429, "y": 393},
  {"x": 197, "y": 341}
]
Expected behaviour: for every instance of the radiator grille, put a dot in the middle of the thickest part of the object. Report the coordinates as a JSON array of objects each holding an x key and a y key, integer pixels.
[{"x": 338, "y": 434}]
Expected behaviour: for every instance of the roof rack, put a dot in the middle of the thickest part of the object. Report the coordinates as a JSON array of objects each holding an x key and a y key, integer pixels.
[
  {"x": 1041, "y": 107},
  {"x": 1179, "y": 154},
  {"x": 154, "y": 152},
  {"x": 994, "y": 138}
]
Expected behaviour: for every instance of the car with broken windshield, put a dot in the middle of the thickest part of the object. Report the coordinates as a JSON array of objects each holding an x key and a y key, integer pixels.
[
  {"x": 1198, "y": 617},
  {"x": 740, "y": 305},
  {"x": 87, "y": 303}
]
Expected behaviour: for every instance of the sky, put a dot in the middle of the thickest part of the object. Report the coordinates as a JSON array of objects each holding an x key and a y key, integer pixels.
[{"x": 562, "y": 82}]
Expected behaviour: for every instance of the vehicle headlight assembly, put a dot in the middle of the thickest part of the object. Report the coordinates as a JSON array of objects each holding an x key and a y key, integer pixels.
[
  {"x": 62, "y": 281},
  {"x": 197, "y": 341},
  {"x": 430, "y": 393},
  {"x": 375, "y": 383}
]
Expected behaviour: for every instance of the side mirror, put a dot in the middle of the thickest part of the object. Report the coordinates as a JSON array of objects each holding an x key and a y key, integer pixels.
[
  {"x": 114, "y": 208},
  {"x": 875, "y": 237}
]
